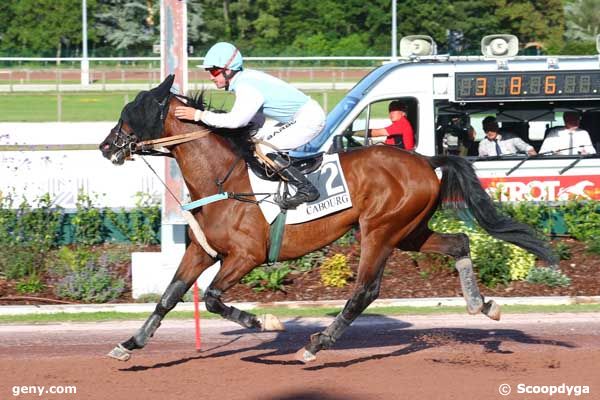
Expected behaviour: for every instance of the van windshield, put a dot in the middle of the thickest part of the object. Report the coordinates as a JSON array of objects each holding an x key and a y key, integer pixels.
[{"x": 355, "y": 94}]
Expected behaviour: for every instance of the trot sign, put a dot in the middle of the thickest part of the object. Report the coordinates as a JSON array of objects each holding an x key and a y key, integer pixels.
[{"x": 538, "y": 188}]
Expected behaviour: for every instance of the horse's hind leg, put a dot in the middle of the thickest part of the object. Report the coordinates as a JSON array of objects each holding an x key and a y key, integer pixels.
[
  {"x": 194, "y": 262},
  {"x": 370, "y": 272},
  {"x": 457, "y": 246}
]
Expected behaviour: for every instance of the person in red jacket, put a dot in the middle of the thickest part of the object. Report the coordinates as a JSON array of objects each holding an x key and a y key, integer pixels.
[{"x": 400, "y": 132}]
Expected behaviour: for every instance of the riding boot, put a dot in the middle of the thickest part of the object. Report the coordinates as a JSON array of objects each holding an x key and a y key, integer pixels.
[{"x": 305, "y": 190}]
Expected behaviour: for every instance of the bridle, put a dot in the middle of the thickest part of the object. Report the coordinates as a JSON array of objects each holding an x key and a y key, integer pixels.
[
  {"x": 128, "y": 144},
  {"x": 123, "y": 139}
]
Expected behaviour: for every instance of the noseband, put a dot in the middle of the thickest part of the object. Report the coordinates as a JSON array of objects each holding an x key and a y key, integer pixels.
[
  {"x": 123, "y": 139},
  {"x": 128, "y": 143}
]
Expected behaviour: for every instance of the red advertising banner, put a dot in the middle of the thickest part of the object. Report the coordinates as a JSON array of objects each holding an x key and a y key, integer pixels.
[{"x": 543, "y": 188}]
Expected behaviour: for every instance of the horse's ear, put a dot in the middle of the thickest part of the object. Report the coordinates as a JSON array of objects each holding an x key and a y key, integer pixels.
[{"x": 163, "y": 90}]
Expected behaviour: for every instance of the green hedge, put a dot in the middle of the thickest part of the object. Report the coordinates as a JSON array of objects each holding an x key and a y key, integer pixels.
[
  {"x": 45, "y": 226},
  {"x": 29, "y": 232}
]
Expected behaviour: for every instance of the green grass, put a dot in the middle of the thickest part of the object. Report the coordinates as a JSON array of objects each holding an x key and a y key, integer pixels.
[
  {"x": 100, "y": 106},
  {"x": 289, "y": 313}
]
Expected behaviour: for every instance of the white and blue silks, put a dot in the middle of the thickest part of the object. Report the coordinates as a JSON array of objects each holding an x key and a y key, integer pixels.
[{"x": 300, "y": 117}]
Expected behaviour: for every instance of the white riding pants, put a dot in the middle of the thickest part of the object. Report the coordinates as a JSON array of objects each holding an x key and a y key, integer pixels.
[{"x": 306, "y": 124}]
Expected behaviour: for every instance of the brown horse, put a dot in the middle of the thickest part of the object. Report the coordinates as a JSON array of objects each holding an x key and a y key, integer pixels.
[{"x": 394, "y": 194}]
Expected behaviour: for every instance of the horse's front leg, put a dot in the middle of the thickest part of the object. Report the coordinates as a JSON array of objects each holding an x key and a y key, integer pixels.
[
  {"x": 194, "y": 262},
  {"x": 233, "y": 269}
]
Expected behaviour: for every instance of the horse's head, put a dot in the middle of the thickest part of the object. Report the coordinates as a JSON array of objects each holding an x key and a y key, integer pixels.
[{"x": 142, "y": 119}]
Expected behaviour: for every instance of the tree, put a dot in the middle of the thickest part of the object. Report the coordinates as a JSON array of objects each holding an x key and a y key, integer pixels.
[
  {"x": 37, "y": 26},
  {"x": 529, "y": 20},
  {"x": 6, "y": 15},
  {"x": 131, "y": 25},
  {"x": 582, "y": 20}
]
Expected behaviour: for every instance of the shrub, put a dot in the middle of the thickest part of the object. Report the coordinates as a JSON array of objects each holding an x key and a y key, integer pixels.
[
  {"x": 87, "y": 221},
  {"x": 491, "y": 257},
  {"x": 8, "y": 218},
  {"x": 536, "y": 215},
  {"x": 335, "y": 271},
  {"x": 145, "y": 220},
  {"x": 141, "y": 225},
  {"x": 562, "y": 251},
  {"x": 307, "y": 262},
  {"x": 263, "y": 278},
  {"x": 18, "y": 261},
  {"x": 519, "y": 262},
  {"x": 582, "y": 219},
  {"x": 347, "y": 239},
  {"x": 91, "y": 284},
  {"x": 593, "y": 246},
  {"x": 548, "y": 276},
  {"x": 149, "y": 298},
  {"x": 496, "y": 262},
  {"x": 68, "y": 259},
  {"x": 26, "y": 236},
  {"x": 31, "y": 284}
]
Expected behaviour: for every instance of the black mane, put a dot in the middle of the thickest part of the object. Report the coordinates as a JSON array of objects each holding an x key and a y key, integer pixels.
[
  {"x": 240, "y": 139},
  {"x": 147, "y": 112}
]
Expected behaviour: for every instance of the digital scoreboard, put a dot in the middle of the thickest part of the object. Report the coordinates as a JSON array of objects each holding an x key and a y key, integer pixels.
[{"x": 491, "y": 86}]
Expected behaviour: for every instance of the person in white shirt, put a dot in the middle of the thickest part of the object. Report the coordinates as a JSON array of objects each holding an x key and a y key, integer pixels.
[
  {"x": 495, "y": 144},
  {"x": 263, "y": 95},
  {"x": 568, "y": 140}
]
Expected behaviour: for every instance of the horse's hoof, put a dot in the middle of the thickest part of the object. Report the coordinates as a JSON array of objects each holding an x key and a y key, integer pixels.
[
  {"x": 269, "y": 322},
  {"x": 492, "y": 310},
  {"x": 305, "y": 356},
  {"x": 120, "y": 353},
  {"x": 475, "y": 307}
]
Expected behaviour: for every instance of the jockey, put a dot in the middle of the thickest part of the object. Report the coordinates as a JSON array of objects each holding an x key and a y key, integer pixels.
[{"x": 258, "y": 94}]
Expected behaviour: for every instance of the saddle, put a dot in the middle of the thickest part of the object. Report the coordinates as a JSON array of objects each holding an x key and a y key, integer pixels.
[{"x": 304, "y": 164}]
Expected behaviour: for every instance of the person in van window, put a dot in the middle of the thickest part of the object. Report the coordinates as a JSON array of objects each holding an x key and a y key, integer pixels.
[
  {"x": 458, "y": 137},
  {"x": 495, "y": 144},
  {"x": 400, "y": 132},
  {"x": 569, "y": 139}
]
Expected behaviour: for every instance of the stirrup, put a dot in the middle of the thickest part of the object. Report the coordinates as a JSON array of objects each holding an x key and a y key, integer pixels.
[{"x": 291, "y": 203}]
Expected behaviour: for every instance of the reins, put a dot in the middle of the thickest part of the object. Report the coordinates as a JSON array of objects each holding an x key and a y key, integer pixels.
[{"x": 155, "y": 144}]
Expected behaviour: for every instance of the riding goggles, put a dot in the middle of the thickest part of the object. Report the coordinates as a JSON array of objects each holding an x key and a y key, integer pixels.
[{"x": 214, "y": 72}]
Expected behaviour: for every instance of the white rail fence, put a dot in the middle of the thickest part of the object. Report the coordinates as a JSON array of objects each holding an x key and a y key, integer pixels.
[{"x": 21, "y": 74}]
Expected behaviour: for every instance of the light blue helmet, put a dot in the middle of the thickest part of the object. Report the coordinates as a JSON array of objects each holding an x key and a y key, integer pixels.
[{"x": 223, "y": 55}]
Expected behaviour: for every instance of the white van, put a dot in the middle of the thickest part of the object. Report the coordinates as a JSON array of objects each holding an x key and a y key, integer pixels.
[{"x": 448, "y": 97}]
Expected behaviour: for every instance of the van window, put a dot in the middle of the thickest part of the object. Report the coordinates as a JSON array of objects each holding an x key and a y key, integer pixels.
[{"x": 377, "y": 116}]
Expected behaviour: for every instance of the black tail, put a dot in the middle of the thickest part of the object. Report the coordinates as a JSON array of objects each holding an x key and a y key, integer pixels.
[{"x": 461, "y": 185}]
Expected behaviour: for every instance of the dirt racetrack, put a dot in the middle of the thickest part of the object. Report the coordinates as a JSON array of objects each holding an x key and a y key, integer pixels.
[{"x": 410, "y": 357}]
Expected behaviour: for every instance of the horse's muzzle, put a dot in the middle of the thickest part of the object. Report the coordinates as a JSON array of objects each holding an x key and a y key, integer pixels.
[{"x": 118, "y": 157}]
